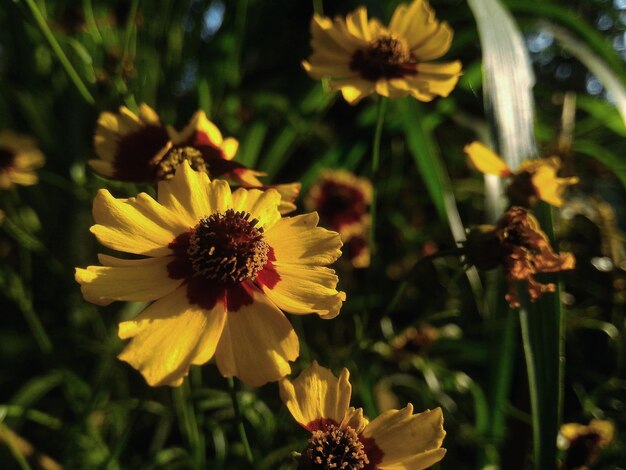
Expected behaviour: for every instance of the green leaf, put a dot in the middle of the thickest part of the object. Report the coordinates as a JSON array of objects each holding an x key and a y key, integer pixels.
[{"x": 615, "y": 163}]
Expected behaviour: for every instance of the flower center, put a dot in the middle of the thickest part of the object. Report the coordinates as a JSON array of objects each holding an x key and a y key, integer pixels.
[
  {"x": 227, "y": 247},
  {"x": 334, "y": 447},
  {"x": 384, "y": 58},
  {"x": 6, "y": 159},
  {"x": 166, "y": 168}
]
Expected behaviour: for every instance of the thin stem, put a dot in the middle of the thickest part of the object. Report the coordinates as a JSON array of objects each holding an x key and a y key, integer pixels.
[
  {"x": 397, "y": 296},
  {"x": 532, "y": 383},
  {"x": 318, "y": 7},
  {"x": 382, "y": 106},
  {"x": 240, "y": 427},
  {"x": 188, "y": 424},
  {"x": 56, "y": 48},
  {"x": 128, "y": 33}
]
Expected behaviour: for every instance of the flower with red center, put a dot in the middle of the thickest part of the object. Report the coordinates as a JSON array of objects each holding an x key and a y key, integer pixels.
[
  {"x": 19, "y": 158},
  {"x": 341, "y": 437},
  {"x": 519, "y": 245},
  {"x": 139, "y": 148},
  {"x": 534, "y": 180},
  {"x": 342, "y": 200},
  {"x": 583, "y": 444},
  {"x": 361, "y": 56},
  {"x": 220, "y": 268}
]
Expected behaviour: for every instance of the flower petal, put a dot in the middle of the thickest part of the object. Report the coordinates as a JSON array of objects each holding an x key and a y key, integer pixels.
[
  {"x": 191, "y": 194},
  {"x": 306, "y": 289},
  {"x": 358, "y": 25},
  {"x": 257, "y": 343},
  {"x": 144, "y": 282},
  {"x": 427, "y": 38},
  {"x": 407, "y": 440},
  {"x": 136, "y": 225},
  {"x": 262, "y": 205},
  {"x": 169, "y": 336},
  {"x": 299, "y": 240},
  {"x": 317, "y": 394},
  {"x": 486, "y": 161}
]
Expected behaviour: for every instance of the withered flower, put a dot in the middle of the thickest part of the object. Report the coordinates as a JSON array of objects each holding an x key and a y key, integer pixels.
[{"x": 519, "y": 245}]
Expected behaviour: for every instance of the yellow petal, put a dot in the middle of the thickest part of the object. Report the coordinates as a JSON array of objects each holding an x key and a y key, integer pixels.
[
  {"x": 289, "y": 192},
  {"x": 199, "y": 123},
  {"x": 145, "y": 282},
  {"x": 317, "y": 394},
  {"x": 23, "y": 178},
  {"x": 355, "y": 419},
  {"x": 299, "y": 240},
  {"x": 229, "y": 148},
  {"x": 149, "y": 115},
  {"x": 306, "y": 289},
  {"x": 187, "y": 194},
  {"x": 353, "y": 90},
  {"x": 329, "y": 35},
  {"x": 486, "y": 161},
  {"x": 257, "y": 343},
  {"x": 169, "y": 336},
  {"x": 549, "y": 186},
  {"x": 135, "y": 225},
  {"x": 433, "y": 79},
  {"x": 408, "y": 441},
  {"x": 102, "y": 167},
  {"x": 262, "y": 205},
  {"x": 358, "y": 25}
]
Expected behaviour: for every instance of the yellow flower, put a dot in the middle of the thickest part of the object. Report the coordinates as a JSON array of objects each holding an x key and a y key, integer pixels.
[
  {"x": 220, "y": 268},
  {"x": 342, "y": 200},
  {"x": 584, "y": 443},
  {"x": 343, "y": 437},
  {"x": 19, "y": 158},
  {"x": 139, "y": 148},
  {"x": 534, "y": 179},
  {"x": 129, "y": 145},
  {"x": 362, "y": 56}
]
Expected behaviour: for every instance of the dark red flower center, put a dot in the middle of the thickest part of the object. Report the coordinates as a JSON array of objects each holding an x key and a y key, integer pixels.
[
  {"x": 7, "y": 157},
  {"x": 227, "y": 247},
  {"x": 334, "y": 447},
  {"x": 134, "y": 160},
  {"x": 341, "y": 204},
  {"x": 224, "y": 258},
  {"x": 384, "y": 58}
]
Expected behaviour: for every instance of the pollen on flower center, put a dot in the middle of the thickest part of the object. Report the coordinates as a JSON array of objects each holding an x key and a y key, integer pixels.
[
  {"x": 227, "y": 247},
  {"x": 386, "y": 57},
  {"x": 166, "y": 168},
  {"x": 6, "y": 159},
  {"x": 334, "y": 447}
]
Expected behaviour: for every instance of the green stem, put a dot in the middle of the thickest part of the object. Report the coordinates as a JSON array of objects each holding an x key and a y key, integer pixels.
[
  {"x": 240, "y": 427},
  {"x": 188, "y": 423},
  {"x": 382, "y": 106},
  {"x": 533, "y": 386},
  {"x": 128, "y": 33},
  {"x": 318, "y": 7},
  {"x": 56, "y": 48}
]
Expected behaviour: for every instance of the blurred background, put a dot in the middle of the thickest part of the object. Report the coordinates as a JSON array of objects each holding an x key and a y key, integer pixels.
[{"x": 427, "y": 337}]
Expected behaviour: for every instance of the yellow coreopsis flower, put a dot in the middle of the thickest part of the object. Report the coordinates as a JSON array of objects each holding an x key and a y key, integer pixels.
[
  {"x": 361, "y": 56},
  {"x": 583, "y": 444},
  {"x": 19, "y": 158},
  {"x": 534, "y": 179},
  {"x": 341, "y": 437},
  {"x": 139, "y": 148},
  {"x": 343, "y": 200},
  {"x": 220, "y": 268}
]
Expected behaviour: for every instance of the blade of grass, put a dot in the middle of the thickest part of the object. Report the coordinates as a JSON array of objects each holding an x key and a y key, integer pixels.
[
  {"x": 56, "y": 48},
  {"x": 427, "y": 156},
  {"x": 510, "y": 106}
]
